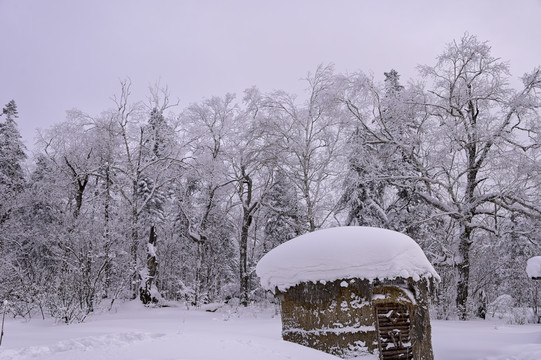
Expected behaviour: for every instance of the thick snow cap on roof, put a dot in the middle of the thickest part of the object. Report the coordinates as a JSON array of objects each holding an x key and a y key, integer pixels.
[
  {"x": 533, "y": 267},
  {"x": 343, "y": 253}
]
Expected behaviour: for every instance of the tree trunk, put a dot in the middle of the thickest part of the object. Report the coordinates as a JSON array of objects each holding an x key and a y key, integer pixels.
[
  {"x": 147, "y": 283},
  {"x": 463, "y": 268},
  {"x": 107, "y": 234},
  {"x": 243, "y": 248},
  {"x": 198, "y": 271},
  {"x": 245, "y": 195},
  {"x": 133, "y": 253},
  {"x": 465, "y": 241}
]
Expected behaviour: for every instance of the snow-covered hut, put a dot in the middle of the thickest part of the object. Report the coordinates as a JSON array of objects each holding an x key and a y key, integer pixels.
[
  {"x": 353, "y": 291},
  {"x": 533, "y": 268}
]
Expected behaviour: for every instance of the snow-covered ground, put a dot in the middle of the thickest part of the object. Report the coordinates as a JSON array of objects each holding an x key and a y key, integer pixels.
[{"x": 134, "y": 332}]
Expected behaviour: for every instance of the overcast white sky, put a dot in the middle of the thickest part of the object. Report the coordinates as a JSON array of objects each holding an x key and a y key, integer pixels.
[{"x": 56, "y": 55}]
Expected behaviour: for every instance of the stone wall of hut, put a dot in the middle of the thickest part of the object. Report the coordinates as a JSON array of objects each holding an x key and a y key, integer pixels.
[{"x": 339, "y": 317}]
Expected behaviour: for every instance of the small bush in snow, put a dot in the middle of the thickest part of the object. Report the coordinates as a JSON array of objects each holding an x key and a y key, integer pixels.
[{"x": 501, "y": 306}]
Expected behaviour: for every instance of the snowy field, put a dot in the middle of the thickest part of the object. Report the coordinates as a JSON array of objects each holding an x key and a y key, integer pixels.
[{"x": 136, "y": 333}]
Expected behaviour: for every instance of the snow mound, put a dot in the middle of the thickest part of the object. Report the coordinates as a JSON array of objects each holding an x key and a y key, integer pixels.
[
  {"x": 533, "y": 267},
  {"x": 342, "y": 253}
]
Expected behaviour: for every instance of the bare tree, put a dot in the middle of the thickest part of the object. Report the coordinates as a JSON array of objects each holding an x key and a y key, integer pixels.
[
  {"x": 140, "y": 165},
  {"x": 465, "y": 124},
  {"x": 308, "y": 140},
  {"x": 205, "y": 196}
]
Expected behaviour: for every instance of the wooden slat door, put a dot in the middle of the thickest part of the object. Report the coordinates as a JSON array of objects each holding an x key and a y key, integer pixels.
[{"x": 393, "y": 324}]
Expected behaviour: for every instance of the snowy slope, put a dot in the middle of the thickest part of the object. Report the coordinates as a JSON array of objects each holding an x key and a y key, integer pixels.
[{"x": 137, "y": 333}]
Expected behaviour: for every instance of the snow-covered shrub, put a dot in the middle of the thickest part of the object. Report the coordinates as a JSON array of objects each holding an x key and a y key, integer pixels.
[
  {"x": 520, "y": 316},
  {"x": 259, "y": 309},
  {"x": 444, "y": 304},
  {"x": 186, "y": 293},
  {"x": 501, "y": 306}
]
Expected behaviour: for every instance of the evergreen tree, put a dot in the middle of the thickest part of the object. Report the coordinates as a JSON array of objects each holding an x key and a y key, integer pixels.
[
  {"x": 363, "y": 194},
  {"x": 398, "y": 123},
  {"x": 12, "y": 151},
  {"x": 27, "y": 263},
  {"x": 157, "y": 146},
  {"x": 373, "y": 157},
  {"x": 392, "y": 83},
  {"x": 158, "y": 133},
  {"x": 283, "y": 217},
  {"x": 12, "y": 156}
]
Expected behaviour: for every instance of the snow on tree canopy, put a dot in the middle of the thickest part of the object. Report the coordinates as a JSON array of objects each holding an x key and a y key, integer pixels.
[
  {"x": 533, "y": 267},
  {"x": 343, "y": 253}
]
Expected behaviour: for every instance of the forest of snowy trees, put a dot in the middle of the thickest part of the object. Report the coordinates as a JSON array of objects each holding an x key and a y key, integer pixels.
[{"x": 147, "y": 200}]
